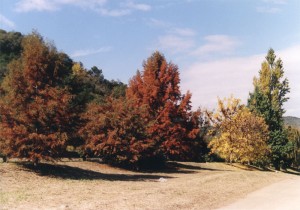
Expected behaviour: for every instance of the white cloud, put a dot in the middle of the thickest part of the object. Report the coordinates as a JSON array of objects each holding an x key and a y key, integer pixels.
[
  {"x": 276, "y": 1},
  {"x": 87, "y": 52},
  {"x": 184, "y": 40},
  {"x": 271, "y": 6},
  {"x": 271, "y": 10},
  {"x": 85, "y": 4},
  {"x": 170, "y": 29},
  {"x": 175, "y": 39},
  {"x": 142, "y": 7},
  {"x": 183, "y": 31},
  {"x": 101, "y": 6},
  {"x": 175, "y": 43},
  {"x": 158, "y": 23},
  {"x": 291, "y": 64},
  {"x": 6, "y": 22},
  {"x": 114, "y": 12},
  {"x": 38, "y": 5},
  {"x": 217, "y": 44},
  {"x": 221, "y": 78}
]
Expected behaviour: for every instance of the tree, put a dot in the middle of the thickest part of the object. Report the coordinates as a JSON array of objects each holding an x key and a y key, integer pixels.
[
  {"x": 175, "y": 128},
  {"x": 153, "y": 120},
  {"x": 89, "y": 86},
  {"x": 116, "y": 131},
  {"x": 242, "y": 136},
  {"x": 294, "y": 140},
  {"x": 267, "y": 100},
  {"x": 10, "y": 48},
  {"x": 35, "y": 113}
]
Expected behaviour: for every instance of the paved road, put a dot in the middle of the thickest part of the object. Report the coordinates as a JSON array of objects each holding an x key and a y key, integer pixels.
[{"x": 284, "y": 195}]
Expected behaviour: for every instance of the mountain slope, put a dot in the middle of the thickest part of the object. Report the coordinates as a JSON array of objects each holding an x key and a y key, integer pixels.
[{"x": 292, "y": 121}]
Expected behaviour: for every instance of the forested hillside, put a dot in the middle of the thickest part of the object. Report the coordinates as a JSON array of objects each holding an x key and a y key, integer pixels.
[
  {"x": 292, "y": 121},
  {"x": 10, "y": 49}
]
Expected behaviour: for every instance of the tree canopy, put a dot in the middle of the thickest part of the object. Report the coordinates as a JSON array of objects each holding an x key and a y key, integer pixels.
[
  {"x": 49, "y": 102},
  {"x": 10, "y": 48},
  {"x": 267, "y": 99},
  {"x": 35, "y": 114},
  {"x": 116, "y": 131},
  {"x": 34, "y": 73},
  {"x": 153, "y": 121},
  {"x": 175, "y": 128},
  {"x": 241, "y": 135}
]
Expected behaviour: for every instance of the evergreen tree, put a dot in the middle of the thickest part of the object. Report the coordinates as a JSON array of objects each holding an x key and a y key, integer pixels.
[
  {"x": 267, "y": 100},
  {"x": 294, "y": 139},
  {"x": 10, "y": 48},
  {"x": 90, "y": 85}
]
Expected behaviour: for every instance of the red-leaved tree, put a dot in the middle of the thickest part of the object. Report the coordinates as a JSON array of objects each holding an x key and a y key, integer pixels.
[
  {"x": 35, "y": 114},
  {"x": 175, "y": 127},
  {"x": 117, "y": 131}
]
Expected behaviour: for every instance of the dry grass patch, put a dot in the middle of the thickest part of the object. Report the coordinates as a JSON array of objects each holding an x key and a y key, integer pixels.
[{"x": 89, "y": 185}]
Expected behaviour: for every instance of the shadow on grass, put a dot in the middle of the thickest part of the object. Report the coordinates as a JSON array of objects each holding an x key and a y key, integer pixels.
[
  {"x": 185, "y": 166},
  {"x": 290, "y": 170},
  {"x": 293, "y": 171},
  {"x": 167, "y": 168},
  {"x": 75, "y": 173},
  {"x": 248, "y": 167},
  {"x": 173, "y": 167}
]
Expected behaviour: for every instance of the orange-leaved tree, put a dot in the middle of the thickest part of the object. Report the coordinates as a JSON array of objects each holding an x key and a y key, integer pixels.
[
  {"x": 175, "y": 127},
  {"x": 35, "y": 114},
  {"x": 117, "y": 131}
]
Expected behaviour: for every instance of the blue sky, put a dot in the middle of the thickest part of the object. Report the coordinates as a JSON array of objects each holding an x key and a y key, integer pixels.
[{"x": 217, "y": 44}]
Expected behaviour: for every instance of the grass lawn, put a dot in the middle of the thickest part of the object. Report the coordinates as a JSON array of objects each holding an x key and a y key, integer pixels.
[{"x": 91, "y": 185}]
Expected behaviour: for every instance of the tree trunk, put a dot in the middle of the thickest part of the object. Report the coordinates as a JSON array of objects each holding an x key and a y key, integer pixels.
[
  {"x": 36, "y": 162},
  {"x": 276, "y": 166}
]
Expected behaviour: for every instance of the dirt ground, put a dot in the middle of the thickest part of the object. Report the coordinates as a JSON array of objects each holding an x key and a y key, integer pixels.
[{"x": 91, "y": 185}]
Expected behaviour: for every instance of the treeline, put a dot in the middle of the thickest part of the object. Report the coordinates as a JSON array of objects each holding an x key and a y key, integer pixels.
[{"x": 50, "y": 103}]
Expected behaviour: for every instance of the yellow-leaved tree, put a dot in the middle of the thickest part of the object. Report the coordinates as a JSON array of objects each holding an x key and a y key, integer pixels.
[{"x": 240, "y": 135}]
